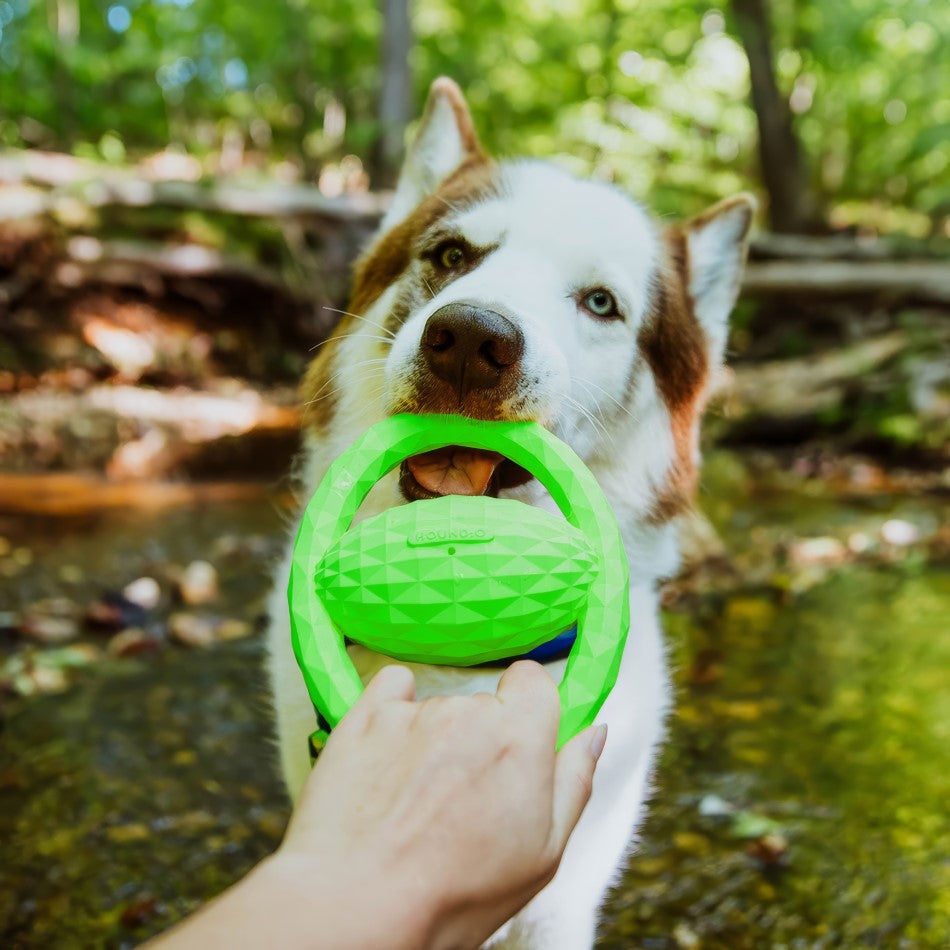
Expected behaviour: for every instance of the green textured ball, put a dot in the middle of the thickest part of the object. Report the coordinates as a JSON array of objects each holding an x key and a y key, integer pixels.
[
  {"x": 484, "y": 578},
  {"x": 461, "y": 579}
]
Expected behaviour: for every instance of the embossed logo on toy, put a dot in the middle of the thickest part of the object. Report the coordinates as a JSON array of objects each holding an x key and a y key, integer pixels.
[{"x": 431, "y": 537}]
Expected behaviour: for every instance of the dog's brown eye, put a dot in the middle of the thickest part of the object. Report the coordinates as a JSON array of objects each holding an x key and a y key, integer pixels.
[
  {"x": 450, "y": 256},
  {"x": 601, "y": 303}
]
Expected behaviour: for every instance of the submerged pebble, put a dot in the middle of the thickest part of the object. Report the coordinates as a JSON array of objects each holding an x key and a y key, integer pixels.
[
  {"x": 686, "y": 938},
  {"x": 113, "y": 611},
  {"x": 137, "y": 913},
  {"x": 823, "y": 550},
  {"x": 54, "y": 620},
  {"x": 713, "y": 806},
  {"x": 132, "y": 641},
  {"x": 748, "y": 824},
  {"x": 191, "y": 629},
  {"x": 198, "y": 583},
  {"x": 39, "y": 679},
  {"x": 233, "y": 629},
  {"x": 32, "y": 672},
  {"x": 144, "y": 591},
  {"x": 769, "y": 849},
  {"x": 900, "y": 533}
]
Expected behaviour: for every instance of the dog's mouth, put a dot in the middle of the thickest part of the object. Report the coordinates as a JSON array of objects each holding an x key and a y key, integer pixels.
[{"x": 456, "y": 470}]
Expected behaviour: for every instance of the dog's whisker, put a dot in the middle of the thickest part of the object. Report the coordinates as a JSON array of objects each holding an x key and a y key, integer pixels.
[
  {"x": 368, "y": 394},
  {"x": 320, "y": 394},
  {"x": 333, "y": 377},
  {"x": 596, "y": 409},
  {"x": 316, "y": 346},
  {"x": 589, "y": 384},
  {"x": 382, "y": 339},
  {"x": 634, "y": 417},
  {"x": 374, "y": 393},
  {"x": 451, "y": 205},
  {"x": 610, "y": 396},
  {"x": 357, "y": 316},
  {"x": 598, "y": 425},
  {"x": 369, "y": 336},
  {"x": 595, "y": 421}
]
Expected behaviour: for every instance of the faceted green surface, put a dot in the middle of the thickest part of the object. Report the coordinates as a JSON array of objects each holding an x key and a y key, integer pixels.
[
  {"x": 414, "y": 599},
  {"x": 484, "y": 578}
]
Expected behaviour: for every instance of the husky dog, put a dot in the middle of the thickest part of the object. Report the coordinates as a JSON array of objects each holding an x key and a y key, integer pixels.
[{"x": 511, "y": 291}]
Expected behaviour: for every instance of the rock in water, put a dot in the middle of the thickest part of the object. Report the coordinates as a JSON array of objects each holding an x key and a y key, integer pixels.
[{"x": 198, "y": 583}]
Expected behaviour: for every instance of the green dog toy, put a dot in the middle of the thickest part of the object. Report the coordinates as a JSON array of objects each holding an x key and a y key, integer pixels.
[{"x": 458, "y": 580}]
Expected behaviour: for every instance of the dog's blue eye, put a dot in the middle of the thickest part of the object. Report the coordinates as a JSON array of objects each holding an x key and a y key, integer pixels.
[{"x": 601, "y": 303}]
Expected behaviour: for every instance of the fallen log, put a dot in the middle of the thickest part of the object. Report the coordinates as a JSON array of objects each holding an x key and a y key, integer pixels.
[
  {"x": 117, "y": 262},
  {"x": 144, "y": 433},
  {"x": 123, "y": 262},
  {"x": 74, "y": 493},
  {"x": 805, "y": 386},
  {"x": 917, "y": 279},
  {"x": 768, "y": 245},
  {"x": 791, "y": 401},
  {"x": 120, "y": 262},
  {"x": 98, "y": 185},
  {"x": 40, "y": 185}
]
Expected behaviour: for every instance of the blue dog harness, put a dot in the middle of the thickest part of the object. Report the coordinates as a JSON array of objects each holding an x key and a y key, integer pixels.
[{"x": 554, "y": 649}]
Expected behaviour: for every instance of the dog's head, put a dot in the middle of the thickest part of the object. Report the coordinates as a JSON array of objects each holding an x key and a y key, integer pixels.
[{"x": 516, "y": 291}]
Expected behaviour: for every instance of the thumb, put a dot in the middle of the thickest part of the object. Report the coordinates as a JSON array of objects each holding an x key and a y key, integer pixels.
[{"x": 573, "y": 780}]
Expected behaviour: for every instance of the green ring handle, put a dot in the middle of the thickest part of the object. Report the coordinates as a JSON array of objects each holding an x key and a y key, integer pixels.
[{"x": 594, "y": 661}]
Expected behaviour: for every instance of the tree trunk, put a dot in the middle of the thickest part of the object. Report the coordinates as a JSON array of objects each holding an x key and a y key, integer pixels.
[
  {"x": 300, "y": 67},
  {"x": 395, "y": 95},
  {"x": 63, "y": 19},
  {"x": 784, "y": 174}
]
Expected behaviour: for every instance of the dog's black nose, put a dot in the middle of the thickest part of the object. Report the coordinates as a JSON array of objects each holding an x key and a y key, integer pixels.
[{"x": 471, "y": 348}]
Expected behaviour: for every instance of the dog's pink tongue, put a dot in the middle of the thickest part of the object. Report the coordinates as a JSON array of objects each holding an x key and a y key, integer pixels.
[{"x": 454, "y": 470}]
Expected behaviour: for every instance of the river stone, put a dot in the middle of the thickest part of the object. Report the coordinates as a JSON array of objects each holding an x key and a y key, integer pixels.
[
  {"x": 198, "y": 583},
  {"x": 191, "y": 630},
  {"x": 54, "y": 620}
]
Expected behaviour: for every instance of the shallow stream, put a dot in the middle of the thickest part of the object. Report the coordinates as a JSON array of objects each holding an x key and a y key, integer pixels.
[{"x": 801, "y": 798}]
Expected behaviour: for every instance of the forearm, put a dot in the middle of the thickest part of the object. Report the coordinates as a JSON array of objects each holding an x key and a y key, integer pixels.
[
  {"x": 423, "y": 826},
  {"x": 282, "y": 903}
]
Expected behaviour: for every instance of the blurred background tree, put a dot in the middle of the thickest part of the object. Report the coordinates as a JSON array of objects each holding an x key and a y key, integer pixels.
[{"x": 847, "y": 127}]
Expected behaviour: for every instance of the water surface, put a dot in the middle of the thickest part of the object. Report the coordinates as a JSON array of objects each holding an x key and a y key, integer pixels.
[{"x": 801, "y": 797}]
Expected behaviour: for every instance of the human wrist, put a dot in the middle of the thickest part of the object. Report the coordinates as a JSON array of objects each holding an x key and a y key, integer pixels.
[{"x": 352, "y": 906}]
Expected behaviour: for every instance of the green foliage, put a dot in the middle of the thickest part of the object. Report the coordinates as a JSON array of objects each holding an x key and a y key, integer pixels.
[
  {"x": 191, "y": 72},
  {"x": 651, "y": 94},
  {"x": 869, "y": 81}
]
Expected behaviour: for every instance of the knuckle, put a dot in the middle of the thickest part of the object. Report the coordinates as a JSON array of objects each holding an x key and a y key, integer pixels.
[
  {"x": 446, "y": 709},
  {"x": 533, "y": 672},
  {"x": 373, "y": 719}
]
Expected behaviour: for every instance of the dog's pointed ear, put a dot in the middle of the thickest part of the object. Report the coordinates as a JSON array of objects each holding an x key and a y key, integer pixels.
[
  {"x": 716, "y": 244},
  {"x": 444, "y": 140}
]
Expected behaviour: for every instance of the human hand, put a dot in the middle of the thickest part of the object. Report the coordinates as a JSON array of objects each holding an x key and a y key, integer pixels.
[{"x": 434, "y": 822}]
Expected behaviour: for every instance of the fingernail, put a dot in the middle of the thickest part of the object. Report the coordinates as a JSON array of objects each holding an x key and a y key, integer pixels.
[{"x": 598, "y": 740}]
